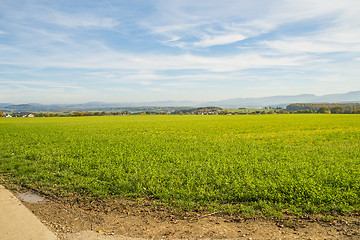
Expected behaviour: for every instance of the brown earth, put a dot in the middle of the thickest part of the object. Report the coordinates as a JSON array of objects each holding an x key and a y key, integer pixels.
[{"x": 126, "y": 219}]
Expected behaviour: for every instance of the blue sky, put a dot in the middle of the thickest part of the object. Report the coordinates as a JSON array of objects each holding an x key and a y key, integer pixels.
[{"x": 156, "y": 50}]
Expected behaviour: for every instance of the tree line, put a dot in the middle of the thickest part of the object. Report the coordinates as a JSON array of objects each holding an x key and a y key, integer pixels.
[
  {"x": 81, "y": 114},
  {"x": 324, "y": 107},
  {"x": 297, "y": 108}
]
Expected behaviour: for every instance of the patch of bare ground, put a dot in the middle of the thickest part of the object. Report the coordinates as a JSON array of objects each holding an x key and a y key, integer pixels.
[{"x": 126, "y": 219}]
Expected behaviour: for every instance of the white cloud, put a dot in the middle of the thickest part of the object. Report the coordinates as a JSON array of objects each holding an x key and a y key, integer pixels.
[
  {"x": 340, "y": 37},
  {"x": 157, "y": 89},
  {"x": 219, "y": 40},
  {"x": 33, "y": 12},
  {"x": 80, "y": 20},
  {"x": 109, "y": 59},
  {"x": 37, "y": 83},
  {"x": 143, "y": 76},
  {"x": 187, "y": 24},
  {"x": 310, "y": 45},
  {"x": 121, "y": 89},
  {"x": 145, "y": 83}
]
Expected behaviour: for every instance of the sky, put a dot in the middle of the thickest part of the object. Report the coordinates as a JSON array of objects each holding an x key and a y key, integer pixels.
[{"x": 157, "y": 50}]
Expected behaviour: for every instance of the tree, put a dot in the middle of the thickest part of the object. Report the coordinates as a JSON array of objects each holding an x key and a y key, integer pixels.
[
  {"x": 337, "y": 110},
  {"x": 324, "y": 110},
  {"x": 1, "y": 114}
]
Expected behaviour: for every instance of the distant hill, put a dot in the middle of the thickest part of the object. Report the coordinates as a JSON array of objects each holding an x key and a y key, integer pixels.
[
  {"x": 274, "y": 101},
  {"x": 283, "y": 101},
  {"x": 2, "y": 105},
  {"x": 132, "y": 104},
  {"x": 262, "y": 102},
  {"x": 28, "y": 108}
]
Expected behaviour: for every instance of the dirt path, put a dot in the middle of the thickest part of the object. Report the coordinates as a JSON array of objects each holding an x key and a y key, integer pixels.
[{"x": 123, "y": 219}]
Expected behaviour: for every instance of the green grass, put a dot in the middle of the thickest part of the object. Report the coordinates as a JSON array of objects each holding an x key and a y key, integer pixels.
[{"x": 263, "y": 163}]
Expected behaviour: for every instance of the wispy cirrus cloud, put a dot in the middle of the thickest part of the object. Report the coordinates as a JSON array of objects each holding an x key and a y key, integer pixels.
[
  {"x": 302, "y": 45},
  {"x": 191, "y": 25},
  {"x": 27, "y": 11},
  {"x": 85, "y": 20},
  {"x": 110, "y": 59},
  {"x": 186, "y": 48},
  {"x": 339, "y": 31}
]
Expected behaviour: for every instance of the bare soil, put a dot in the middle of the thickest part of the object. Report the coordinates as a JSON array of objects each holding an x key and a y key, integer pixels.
[{"x": 126, "y": 219}]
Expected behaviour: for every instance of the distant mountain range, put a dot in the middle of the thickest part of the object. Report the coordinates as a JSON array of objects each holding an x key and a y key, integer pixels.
[
  {"x": 274, "y": 101},
  {"x": 283, "y": 101}
]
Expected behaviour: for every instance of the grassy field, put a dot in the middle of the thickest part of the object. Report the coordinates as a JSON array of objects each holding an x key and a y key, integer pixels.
[{"x": 264, "y": 163}]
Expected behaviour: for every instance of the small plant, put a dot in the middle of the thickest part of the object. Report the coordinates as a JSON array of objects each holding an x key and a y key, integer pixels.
[
  {"x": 289, "y": 224},
  {"x": 327, "y": 218}
]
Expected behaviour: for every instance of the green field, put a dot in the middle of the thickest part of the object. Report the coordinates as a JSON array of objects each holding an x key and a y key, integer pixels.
[{"x": 249, "y": 164}]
